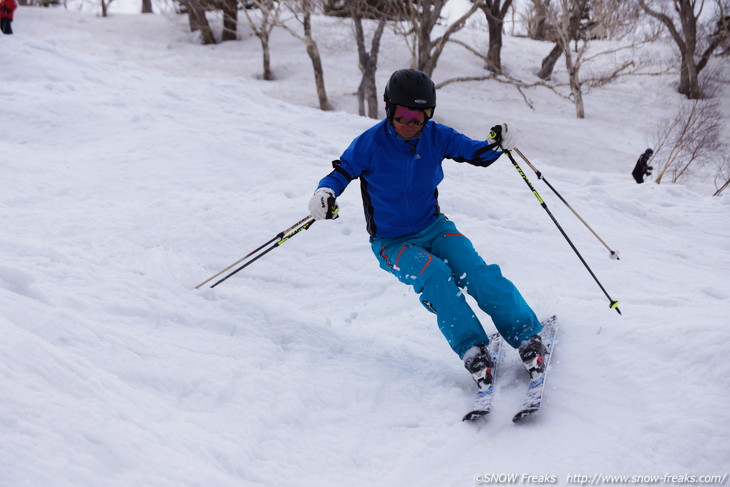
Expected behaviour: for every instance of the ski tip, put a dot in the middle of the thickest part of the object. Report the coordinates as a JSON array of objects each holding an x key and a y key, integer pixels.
[
  {"x": 474, "y": 415},
  {"x": 550, "y": 321},
  {"x": 525, "y": 413}
]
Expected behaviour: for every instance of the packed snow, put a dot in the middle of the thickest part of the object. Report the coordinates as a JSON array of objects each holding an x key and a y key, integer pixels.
[{"x": 135, "y": 163}]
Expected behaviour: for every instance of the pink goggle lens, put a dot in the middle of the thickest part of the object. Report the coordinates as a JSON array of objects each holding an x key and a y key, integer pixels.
[{"x": 407, "y": 115}]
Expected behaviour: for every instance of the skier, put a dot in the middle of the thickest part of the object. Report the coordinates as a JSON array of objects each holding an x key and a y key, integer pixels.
[
  {"x": 642, "y": 167},
  {"x": 7, "y": 7},
  {"x": 398, "y": 161}
]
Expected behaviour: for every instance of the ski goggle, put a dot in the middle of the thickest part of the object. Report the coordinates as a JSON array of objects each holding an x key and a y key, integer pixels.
[{"x": 415, "y": 116}]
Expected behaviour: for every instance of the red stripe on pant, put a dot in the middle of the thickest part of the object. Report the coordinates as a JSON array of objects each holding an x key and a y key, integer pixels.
[{"x": 430, "y": 258}]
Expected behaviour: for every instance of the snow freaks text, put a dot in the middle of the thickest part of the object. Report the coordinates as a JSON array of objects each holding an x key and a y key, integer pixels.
[{"x": 599, "y": 479}]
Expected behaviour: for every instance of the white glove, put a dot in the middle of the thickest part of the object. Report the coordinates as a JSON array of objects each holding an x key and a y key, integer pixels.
[
  {"x": 506, "y": 137},
  {"x": 322, "y": 206}
]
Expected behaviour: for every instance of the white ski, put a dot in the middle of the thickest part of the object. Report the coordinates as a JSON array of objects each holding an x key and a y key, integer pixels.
[
  {"x": 533, "y": 398},
  {"x": 483, "y": 402}
]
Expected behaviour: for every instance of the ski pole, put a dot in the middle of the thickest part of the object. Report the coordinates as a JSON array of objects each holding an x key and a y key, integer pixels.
[
  {"x": 495, "y": 135},
  {"x": 283, "y": 239},
  {"x": 281, "y": 236},
  {"x": 613, "y": 253}
]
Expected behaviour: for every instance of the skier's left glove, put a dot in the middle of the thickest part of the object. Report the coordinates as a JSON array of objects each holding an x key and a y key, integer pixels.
[
  {"x": 503, "y": 135},
  {"x": 322, "y": 205}
]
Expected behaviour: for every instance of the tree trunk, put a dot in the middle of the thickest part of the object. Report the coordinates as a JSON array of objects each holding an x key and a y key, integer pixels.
[
  {"x": 689, "y": 84},
  {"x": 363, "y": 61},
  {"x": 198, "y": 21},
  {"x": 538, "y": 24},
  {"x": 313, "y": 53},
  {"x": 230, "y": 20},
  {"x": 369, "y": 68},
  {"x": 495, "y": 12},
  {"x": 372, "y": 89},
  {"x": 361, "y": 97},
  {"x": 548, "y": 64},
  {"x": 147, "y": 6},
  {"x": 268, "y": 75},
  {"x": 269, "y": 17},
  {"x": 425, "y": 45},
  {"x": 575, "y": 89},
  {"x": 494, "y": 53},
  {"x": 368, "y": 64}
]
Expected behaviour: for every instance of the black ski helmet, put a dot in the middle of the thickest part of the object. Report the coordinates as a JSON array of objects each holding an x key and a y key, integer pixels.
[{"x": 409, "y": 88}]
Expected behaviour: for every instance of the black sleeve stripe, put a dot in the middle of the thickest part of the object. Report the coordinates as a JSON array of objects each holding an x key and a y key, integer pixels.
[
  {"x": 336, "y": 164},
  {"x": 477, "y": 159}
]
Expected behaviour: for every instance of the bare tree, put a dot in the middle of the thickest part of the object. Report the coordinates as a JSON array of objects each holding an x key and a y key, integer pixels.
[
  {"x": 381, "y": 12},
  {"x": 537, "y": 24},
  {"x": 104, "y": 4},
  {"x": 265, "y": 17},
  {"x": 567, "y": 21},
  {"x": 612, "y": 19},
  {"x": 367, "y": 90},
  {"x": 724, "y": 47},
  {"x": 495, "y": 12},
  {"x": 580, "y": 24},
  {"x": 696, "y": 39},
  {"x": 607, "y": 16},
  {"x": 197, "y": 19},
  {"x": 689, "y": 138},
  {"x": 303, "y": 10},
  {"x": 722, "y": 178},
  {"x": 421, "y": 17}
]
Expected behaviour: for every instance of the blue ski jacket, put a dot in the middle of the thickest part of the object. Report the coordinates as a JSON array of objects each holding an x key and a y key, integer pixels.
[{"x": 399, "y": 178}]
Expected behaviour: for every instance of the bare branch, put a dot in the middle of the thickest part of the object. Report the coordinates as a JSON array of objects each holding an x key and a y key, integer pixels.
[
  {"x": 691, "y": 137},
  {"x": 723, "y": 174},
  {"x": 519, "y": 85},
  {"x": 420, "y": 19}
]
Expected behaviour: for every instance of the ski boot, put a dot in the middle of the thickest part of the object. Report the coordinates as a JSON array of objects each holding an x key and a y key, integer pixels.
[
  {"x": 480, "y": 364},
  {"x": 532, "y": 352}
]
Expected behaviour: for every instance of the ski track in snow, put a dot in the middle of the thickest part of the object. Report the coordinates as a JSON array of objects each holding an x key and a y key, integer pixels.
[{"x": 130, "y": 174}]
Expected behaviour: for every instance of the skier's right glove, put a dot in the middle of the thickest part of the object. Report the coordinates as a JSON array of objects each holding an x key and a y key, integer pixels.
[{"x": 322, "y": 206}]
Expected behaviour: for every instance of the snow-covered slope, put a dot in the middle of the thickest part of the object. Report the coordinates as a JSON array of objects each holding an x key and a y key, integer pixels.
[{"x": 127, "y": 176}]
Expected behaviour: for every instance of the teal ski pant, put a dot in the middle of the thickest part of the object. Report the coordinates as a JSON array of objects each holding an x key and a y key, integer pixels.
[{"x": 439, "y": 262}]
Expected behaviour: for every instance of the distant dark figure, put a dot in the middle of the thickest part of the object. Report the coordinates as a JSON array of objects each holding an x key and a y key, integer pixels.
[
  {"x": 642, "y": 167},
  {"x": 7, "y": 7}
]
